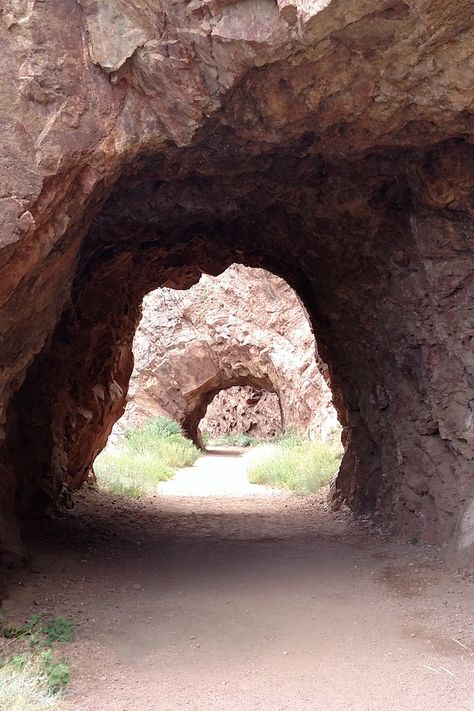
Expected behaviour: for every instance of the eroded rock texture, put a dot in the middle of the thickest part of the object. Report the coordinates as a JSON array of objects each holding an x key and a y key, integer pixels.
[
  {"x": 328, "y": 141},
  {"x": 243, "y": 410},
  {"x": 247, "y": 328}
]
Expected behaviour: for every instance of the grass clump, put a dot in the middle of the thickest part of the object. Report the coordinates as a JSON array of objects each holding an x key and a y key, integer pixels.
[
  {"x": 297, "y": 463},
  {"x": 30, "y": 675},
  {"x": 129, "y": 473},
  {"x": 25, "y": 685},
  {"x": 146, "y": 456},
  {"x": 155, "y": 429}
]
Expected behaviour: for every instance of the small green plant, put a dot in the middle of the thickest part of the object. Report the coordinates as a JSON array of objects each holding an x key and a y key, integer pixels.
[
  {"x": 30, "y": 628},
  {"x": 146, "y": 456},
  {"x": 57, "y": 673},
  {"x": 41, "y": 632},
  {"x": 59, "y": 629},
  {"x": 297, "y": 463}
]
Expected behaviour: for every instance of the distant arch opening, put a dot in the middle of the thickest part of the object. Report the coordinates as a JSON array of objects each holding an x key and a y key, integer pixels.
[{"x": 243, "y": 410}]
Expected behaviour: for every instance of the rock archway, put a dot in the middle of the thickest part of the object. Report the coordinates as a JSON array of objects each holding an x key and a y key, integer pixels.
[
  {"x": 244, "y": 328},
  {"x": 204, "y": 398},
  {"x": 329, "y": 143}
]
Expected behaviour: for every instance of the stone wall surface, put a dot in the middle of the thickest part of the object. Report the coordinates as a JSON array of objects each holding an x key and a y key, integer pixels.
[
  {"x": 245, "y": 327},
  {"x": 327, "y": 141},
  {"x": 243, "y": 410}
]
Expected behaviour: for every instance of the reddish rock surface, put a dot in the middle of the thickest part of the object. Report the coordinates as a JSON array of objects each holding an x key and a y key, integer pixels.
[
  {"x": 245, "y": 327},
  {"x": 328, "y": 142}
]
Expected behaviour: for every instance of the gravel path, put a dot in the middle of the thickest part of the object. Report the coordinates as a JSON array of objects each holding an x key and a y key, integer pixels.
[
  {"x": 254, "y": 602},
  {"x": 222, "y": 472}
]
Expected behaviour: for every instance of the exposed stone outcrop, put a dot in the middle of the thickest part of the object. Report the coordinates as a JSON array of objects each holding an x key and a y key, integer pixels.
[
  {"x": 246, "y": 327},
  {"x": 328, "y": 142},
  {"x": 243, "y": 410}
]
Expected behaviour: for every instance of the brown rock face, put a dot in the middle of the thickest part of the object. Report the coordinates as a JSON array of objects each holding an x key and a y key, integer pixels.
[
  {"x": 243, "y": 328},
  {"x": 327, "y": 142}
]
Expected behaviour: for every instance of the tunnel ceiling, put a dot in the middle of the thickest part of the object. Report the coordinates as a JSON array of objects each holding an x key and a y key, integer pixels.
[{"x": 329, "y": 142}]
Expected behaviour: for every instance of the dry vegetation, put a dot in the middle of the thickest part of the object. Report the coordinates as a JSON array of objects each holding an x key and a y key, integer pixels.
[
  {"x": 295, "y": 462},
  {"x": 146, "y": 456}
]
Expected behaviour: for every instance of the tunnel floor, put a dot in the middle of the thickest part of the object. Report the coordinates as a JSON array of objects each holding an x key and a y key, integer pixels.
[{"x": 258, "y": 602}]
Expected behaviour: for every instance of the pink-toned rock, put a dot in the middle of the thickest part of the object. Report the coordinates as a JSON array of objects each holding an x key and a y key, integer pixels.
[
  {"x": 243, "y": 410},
  {"x": 245, "y": 327}
]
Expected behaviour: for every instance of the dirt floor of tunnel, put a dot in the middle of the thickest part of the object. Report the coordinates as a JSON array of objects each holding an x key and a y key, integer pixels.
[{"x": 256, "y": 601}]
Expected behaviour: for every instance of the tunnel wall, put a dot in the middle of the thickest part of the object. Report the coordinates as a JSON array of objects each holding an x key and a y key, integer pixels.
[
  {"x": 243, "y": 410},
  {"x": 331, "y": 145}
]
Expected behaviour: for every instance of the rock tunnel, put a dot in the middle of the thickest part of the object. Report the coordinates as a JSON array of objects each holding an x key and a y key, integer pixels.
[
  {"x": 197, "y": 414},
  {"x": 245, "y": 328},
  {"x": 329, "y": 143}
]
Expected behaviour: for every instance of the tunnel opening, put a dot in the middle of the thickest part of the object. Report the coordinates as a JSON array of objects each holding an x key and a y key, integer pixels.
[
  {"x": 330, "y": 143},
  {"x": 367, "y": 215},
  {"x": 244, "y": 328},
  {"x": 312, "y": 222}
]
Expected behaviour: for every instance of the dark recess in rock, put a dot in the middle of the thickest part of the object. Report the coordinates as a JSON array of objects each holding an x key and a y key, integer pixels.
[{"x": 329, "y": 145}]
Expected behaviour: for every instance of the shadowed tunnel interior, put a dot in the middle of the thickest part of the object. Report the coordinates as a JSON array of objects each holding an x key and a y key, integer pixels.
[
  {"x": 349, "y": 247},
  {"x": 312, "y": 160}
]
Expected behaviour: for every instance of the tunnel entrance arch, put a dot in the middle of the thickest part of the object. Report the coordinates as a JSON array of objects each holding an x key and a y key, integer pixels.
[
  {"x": 76, "y": 387},
  {"x": 292, "y": 147},
  {"x": 244, "y": 327},
  {"x": 200, "y": 404}
]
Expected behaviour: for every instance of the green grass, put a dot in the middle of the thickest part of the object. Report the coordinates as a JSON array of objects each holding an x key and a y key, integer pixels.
[
  {"x": 297, "y": 463},
  {"x": 24, "y": 685},
  {"x": 156, "y": 428},
  {"x": 146, "y": 456},
  {"x": 30, "y": 675},
  {"x": 40, "y": 631}
]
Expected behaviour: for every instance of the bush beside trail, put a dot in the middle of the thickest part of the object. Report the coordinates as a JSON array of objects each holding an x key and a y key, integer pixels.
[
  {"x": 145, "y": 456},
  {"x": 297, "y": 463}
]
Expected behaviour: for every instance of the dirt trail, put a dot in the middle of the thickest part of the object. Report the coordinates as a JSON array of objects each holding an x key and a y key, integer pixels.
[{"x": 253, "y": 603}]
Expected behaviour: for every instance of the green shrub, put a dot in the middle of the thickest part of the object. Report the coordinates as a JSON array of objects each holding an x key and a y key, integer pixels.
[
  {"x": 298, "y": 464},
  {"x": 58, "y": 674},
  {"x": 155, "y": 428},
  {"x": 147, "y": 455},
  {"x": 59, "y": 629},
  {"x": 177, "y": 453},
  {"x": 130, "y": 473}
]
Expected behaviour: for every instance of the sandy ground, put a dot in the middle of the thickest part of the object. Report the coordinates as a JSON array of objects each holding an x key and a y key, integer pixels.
[
  {"x": 249, "y": 600},
  {"x": 222, "y": 472}
]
